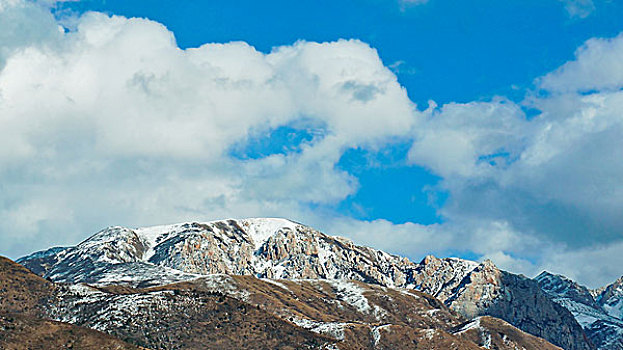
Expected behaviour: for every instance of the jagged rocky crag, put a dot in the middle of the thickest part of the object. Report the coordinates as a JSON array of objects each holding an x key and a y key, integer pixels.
[
  {"x": 598, "y": 312},
  {"x": 483, "y": 289},
  {"x": 265, "y": 248},
  {"x": 610, "y": 298},
  {"x": 281, "y": 249}
]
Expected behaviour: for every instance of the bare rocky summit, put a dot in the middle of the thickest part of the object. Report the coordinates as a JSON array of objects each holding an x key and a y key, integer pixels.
[
  {"x": 598, "y": 313},
  {"x": 483, "y": 289}
]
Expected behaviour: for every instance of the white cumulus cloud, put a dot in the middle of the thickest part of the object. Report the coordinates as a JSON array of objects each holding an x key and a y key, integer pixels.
[{"x": 112, "y": 123}]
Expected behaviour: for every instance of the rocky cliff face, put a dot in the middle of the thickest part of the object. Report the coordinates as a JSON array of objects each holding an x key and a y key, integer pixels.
[
  {"x": 272, "y": 248},
  {"x": 483, "y": 289},
  {"x": 281, "y": 249},
  {"x": 603, "y": 329},
  {"x": 440, "y": 277},
  {"x": 611, "y": 299}
]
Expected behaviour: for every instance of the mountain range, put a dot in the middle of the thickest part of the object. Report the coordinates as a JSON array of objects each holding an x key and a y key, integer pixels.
[{"x": 276, "y": 283}]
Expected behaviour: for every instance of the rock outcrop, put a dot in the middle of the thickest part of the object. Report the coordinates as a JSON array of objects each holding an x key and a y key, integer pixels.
[
  {"x": 483, "y": 289},
  {"x": 604, "y": 330}
]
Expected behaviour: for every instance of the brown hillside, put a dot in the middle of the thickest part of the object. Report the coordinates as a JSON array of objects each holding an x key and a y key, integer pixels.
[
  {"x": 21, "y": 291},
  {"x": 494, "y": 333},
  {"x": 19, "y": 332},
  {"x": 351, "y": 314}
]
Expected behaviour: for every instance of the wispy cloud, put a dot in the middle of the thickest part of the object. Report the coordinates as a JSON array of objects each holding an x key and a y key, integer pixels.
[
  {"x": 402, "y": 67},
  {"x": 579, "y": 8},
  {"x": 405, "y": 4}
]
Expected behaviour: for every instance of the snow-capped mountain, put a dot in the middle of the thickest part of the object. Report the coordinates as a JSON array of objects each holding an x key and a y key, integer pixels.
[
  {"x": 601, "y": 321},
  {"x": 611, "y": 299},
  {"x": 282, "y": 249},
  {"x": 269, "y": 248}
]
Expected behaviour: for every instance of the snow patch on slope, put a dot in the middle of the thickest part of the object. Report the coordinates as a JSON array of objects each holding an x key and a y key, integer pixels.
[
  {"x": 261, "y": 229},
  {"x": 615, "y": 309},
  {"x": 376, "y": 332},
  {"x": 352, "y": 294},
  {"x": 154, "y": 235},
  {"x": 473, "y": 324},
  {"x": 334, "y": 330}
]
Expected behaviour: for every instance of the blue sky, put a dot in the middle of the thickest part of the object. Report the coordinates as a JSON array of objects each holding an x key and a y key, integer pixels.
[
  {"x": 442, "y": 50},
  {"x": 483, "y": 129}
]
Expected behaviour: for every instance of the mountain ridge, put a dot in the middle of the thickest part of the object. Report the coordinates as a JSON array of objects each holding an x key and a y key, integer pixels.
[
  {"x": 603, "y": 325},
  {"x": 283, "y": 249},
  {"x": 233, "y": 312}
]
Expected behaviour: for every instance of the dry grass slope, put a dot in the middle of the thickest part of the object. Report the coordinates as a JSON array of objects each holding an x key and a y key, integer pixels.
[{"x": 23, "y": 296}]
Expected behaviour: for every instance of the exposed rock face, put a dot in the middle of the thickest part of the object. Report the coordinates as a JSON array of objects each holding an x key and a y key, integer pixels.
[
  {"x": 483, "y": 289},
  {"x": 524, "y": 305},
  {"x": 278, "y": 248},
  {"x": 272, "y": 248},
  {"x": 563, "y": 289},
  {"x": 604, "y": 330},
  {"x": 441, "y": 277},
  {"x": 41, "y": 262},
  {"x": 307, "y": 253},
  {"x": 611, "y": 299}
]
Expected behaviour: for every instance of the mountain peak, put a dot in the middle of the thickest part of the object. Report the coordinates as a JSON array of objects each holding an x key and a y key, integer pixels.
[
  {"x": 611, "y": 299},
  {"x": 601, "y": 326},
  {"x": 562, "y": 287},
  {"x": 429, "y": 259},
  {"x": 549, "y": 275},
  {"x": 264, "y": 247},
  {"x": 260, "y": 229},
  {"x": 488, "y": 263}
]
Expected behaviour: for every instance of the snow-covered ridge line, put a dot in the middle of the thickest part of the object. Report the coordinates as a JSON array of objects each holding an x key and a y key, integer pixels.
[
  {"x": 264, "y": 247},
  {"x": 259, "y": 228},
  {"x": 597, "y": 313}
]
